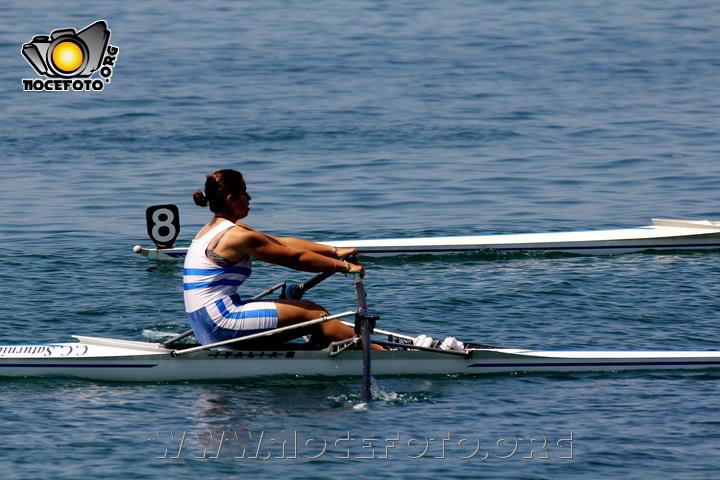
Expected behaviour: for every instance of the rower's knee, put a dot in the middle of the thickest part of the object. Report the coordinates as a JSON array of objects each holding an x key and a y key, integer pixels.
[
  {"x": 310, "y": 305},
  {"x": 313, "y": 309}
]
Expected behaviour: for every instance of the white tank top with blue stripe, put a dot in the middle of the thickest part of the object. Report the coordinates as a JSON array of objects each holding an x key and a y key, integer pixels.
[{"x": 213, "y": 306}]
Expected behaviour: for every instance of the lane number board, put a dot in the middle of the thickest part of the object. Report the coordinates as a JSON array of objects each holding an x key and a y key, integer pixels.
[{"x": 163, "y": 225}]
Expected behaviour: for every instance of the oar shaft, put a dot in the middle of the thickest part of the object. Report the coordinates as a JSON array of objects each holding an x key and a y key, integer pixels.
[
  {"x": 367, "y": 353},
  {"x": 296, "y": 292},
  {"x": 311, "y": 282},
  {"x": 268, "y": 291},
  {"x": 365, "y": 330},
  {"x": 361, "y": 295}
]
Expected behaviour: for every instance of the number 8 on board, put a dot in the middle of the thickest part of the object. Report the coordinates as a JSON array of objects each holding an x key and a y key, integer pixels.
[{"x": 163, "y": 224}]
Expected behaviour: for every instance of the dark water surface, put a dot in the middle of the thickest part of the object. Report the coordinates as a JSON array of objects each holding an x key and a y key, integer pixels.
[{"x": 369, "y": 120}]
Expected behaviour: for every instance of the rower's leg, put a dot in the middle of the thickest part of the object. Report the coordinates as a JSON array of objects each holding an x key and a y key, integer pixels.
[{"x": 292, "y": 312}]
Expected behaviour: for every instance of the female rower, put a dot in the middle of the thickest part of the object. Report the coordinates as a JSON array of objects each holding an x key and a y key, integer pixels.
[{"x": 219, "y": 261}]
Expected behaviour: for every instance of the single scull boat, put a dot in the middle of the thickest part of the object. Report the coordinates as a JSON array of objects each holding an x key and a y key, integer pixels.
[
  {"x": 132, "y": 361},
  {"x": 661, "y": 235}
]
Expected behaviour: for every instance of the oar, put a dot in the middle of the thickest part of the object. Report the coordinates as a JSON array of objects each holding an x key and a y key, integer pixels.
[
  {"x": 296, "y": 292},
  {"x": 364, "y": 325}
]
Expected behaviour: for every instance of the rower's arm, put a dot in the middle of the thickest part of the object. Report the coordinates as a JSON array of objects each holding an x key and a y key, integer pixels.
[
  {"x": 291, "y": 255},
  {"x": 299, "y": 243}
]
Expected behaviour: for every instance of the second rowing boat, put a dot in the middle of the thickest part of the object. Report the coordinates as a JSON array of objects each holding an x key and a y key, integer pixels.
[{"x": 661, "y": 235}]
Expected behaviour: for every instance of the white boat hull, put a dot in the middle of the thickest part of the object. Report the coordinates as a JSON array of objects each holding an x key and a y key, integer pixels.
[
  {"x": 662, "y": 235},
  {"x": 117, "y": 360}
]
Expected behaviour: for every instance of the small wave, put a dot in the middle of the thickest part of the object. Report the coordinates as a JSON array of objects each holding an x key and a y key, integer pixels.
[{"x": 380, "y": 395}]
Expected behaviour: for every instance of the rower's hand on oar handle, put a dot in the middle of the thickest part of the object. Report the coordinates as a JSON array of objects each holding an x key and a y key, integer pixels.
[
  {"x": 348, "y": 254},
  {"x": 356, "y": 269},
  {"x": 353, "y": 268}
]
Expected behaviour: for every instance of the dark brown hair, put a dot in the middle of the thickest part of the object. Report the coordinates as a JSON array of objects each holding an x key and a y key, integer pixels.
[{"x": 218, "y": 186}]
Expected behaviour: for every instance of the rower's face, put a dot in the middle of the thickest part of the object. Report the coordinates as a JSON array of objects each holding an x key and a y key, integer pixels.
[{"x": 240, "y": 202}]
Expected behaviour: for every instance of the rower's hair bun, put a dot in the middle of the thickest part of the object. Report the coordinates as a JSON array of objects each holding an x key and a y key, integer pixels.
[
  {"x": 218, "y": 186},
  {"x": 199, "y": 199}
]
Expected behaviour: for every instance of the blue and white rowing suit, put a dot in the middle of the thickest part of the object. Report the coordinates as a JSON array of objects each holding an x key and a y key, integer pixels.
[{"x": 212, "y": 303}]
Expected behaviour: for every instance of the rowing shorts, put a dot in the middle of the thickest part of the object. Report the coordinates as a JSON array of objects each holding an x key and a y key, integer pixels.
[{"x": 232, "y": 318}]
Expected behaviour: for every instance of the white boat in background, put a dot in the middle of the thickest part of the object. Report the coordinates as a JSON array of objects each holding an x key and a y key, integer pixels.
[{"x": 661, "y": 235}]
